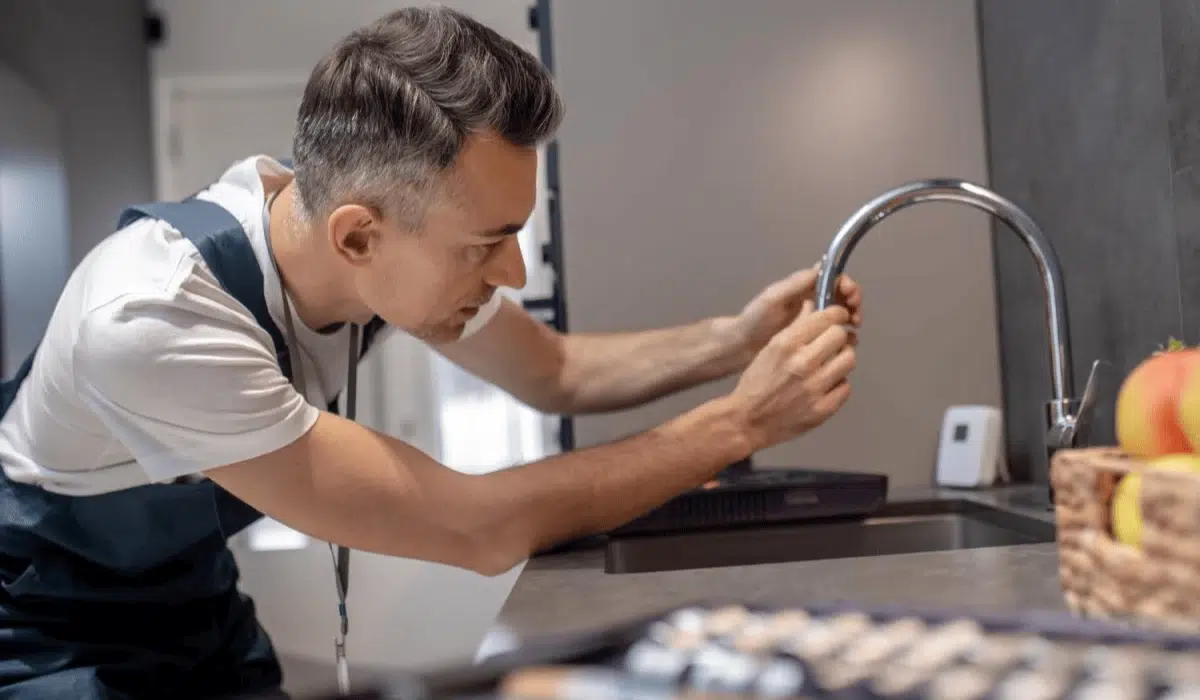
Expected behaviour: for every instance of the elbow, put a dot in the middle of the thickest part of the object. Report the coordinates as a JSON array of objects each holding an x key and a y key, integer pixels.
[
  {"x": 478, "y": 544},
  {"x": 465, "y": 523},
  {"x": 491, "y": 555},
  {"x": 551, "y": 395},
  {"x": 555, "y": 387},
  {"x": 555, "y": 401},
  {"x": 493, "y": 566}
]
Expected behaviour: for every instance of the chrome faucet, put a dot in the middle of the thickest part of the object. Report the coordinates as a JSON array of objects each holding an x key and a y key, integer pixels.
[{"x": 1068, "y": 419}]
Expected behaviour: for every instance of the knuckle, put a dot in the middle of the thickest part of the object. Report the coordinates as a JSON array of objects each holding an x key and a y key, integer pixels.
[
  {"x": 795, "y": 369},
  {"x": 800, "y": 365},
  {"x": 818, "y": 318},
  {"x": 781, "y": 343}
]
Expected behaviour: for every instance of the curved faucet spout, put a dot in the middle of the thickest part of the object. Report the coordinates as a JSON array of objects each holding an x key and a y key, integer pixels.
[{"x": 1063, "y": 429}]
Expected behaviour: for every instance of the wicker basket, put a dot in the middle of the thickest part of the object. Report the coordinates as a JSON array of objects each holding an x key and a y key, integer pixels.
[{"x": 1158, "y": 584}]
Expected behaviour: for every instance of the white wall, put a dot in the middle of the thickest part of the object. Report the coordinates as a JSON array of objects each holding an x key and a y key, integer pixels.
[
  {"x": 711, "y": 147},
  {"x": 286, "y": 37}
]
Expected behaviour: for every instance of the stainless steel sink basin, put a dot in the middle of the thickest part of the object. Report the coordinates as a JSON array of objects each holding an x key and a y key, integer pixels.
[{"x": 898, "y": 528}]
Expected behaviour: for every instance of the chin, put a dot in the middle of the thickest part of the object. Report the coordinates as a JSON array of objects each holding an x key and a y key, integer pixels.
[{"x": 444, "y": 333}]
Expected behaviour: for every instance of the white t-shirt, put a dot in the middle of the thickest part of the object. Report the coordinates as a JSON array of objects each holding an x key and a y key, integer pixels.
[{"x": 150, "y": 370}]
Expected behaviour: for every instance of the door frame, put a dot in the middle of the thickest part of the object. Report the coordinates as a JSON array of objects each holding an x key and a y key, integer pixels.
[
  {"x": 165, "y": 128},
  {"x": 540, "y": 20}
]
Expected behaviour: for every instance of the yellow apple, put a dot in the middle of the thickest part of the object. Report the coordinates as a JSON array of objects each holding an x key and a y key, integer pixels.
[{"x": 1127, "y": 499}]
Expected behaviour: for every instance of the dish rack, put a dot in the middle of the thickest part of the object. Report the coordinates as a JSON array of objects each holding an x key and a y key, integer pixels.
[{"x": 1156, "y": 584}]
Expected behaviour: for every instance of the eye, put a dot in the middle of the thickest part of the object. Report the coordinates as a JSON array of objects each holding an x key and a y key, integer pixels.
[{"x": 479, "y": 252}]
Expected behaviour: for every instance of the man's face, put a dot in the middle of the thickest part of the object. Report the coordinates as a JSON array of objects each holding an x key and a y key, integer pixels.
[{"x": 431, "y": 282}]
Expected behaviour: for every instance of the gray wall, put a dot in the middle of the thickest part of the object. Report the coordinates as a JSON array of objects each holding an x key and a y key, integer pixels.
[
  {"x": 1092, "y": 110},
  {"x": 711, "y": 147},
  {"x": 89, "y": 60},
  {"x": 34, "y": 245}
]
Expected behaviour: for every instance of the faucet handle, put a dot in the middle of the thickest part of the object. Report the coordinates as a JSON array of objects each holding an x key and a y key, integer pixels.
[
  {"x": 1070, "y": 420},
  {"x": 1087, "y": 406}
]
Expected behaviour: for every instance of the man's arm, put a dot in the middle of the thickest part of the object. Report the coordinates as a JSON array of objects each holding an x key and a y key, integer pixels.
[
  {"x": 594, "y": 372},
  {"x": 579, "y": 373},
  {"x": 346, "y": 484}
]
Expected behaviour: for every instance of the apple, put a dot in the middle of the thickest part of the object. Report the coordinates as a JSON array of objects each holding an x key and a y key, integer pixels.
[
  {"x": 1127, "y": 498},
  {"x": 1155, "y": 412},
  {"x": 1189, "y": 408}
]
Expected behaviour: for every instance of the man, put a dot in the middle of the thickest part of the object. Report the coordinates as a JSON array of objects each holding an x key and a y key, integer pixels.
[{"x": 165, "y": 408}]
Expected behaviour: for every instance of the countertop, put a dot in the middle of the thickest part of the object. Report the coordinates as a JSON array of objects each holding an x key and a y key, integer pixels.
[{"x": 570, "y": 592}]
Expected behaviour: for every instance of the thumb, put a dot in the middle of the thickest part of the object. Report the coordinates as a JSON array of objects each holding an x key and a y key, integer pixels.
[{"x": 799, "y": 283}]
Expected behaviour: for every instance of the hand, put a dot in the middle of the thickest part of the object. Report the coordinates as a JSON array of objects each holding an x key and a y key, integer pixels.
[
  {"x": 798, "y": 380},
  {"x": 780, "y": 303}
]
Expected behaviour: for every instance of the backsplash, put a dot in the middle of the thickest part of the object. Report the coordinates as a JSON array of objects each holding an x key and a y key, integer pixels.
[{"x": 1091, "y": 110}]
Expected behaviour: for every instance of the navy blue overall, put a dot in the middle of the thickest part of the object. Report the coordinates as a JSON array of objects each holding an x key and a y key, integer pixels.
[{"x": 133, "y": 594}]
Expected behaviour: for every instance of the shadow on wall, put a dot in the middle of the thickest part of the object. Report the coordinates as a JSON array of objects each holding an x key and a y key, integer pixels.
[{"x": 89, "y": 59}]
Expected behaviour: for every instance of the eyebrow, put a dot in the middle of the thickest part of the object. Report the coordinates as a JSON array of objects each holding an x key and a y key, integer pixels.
[{"x": 505, "y": 230}]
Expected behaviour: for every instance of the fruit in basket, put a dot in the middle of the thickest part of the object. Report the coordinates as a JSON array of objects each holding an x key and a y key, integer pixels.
[
  {"x": 1148, "y": 410},
  {"x": 1189, "y": 408},
  {"x": 1127, "y": 498}
]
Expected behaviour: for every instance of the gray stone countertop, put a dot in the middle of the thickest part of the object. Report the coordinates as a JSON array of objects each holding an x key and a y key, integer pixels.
[{"x": 570, "y": 592}]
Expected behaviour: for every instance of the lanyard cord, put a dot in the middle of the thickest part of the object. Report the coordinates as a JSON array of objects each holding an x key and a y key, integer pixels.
[{"x": 341, "y": 557}]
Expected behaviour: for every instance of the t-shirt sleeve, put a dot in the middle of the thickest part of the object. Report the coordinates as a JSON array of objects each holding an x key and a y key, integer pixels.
[{"x": 187, "y": 382}]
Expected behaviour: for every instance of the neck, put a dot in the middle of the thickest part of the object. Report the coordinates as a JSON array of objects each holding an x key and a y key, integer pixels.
[{"x": 319, "y": 295}]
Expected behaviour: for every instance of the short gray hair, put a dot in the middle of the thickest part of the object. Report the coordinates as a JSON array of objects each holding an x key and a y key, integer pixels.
[{"x": 387, "y": 112}]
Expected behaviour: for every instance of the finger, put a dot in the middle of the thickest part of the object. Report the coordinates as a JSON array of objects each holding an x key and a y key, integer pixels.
[
  {"x": 806, "y": 310},
  {"x": 825, "y": 346},
  {"x": 836, "y": 370},
  {"x": 798, "y": 283},
  {"x": 847, "y": 287},
  {"x": 810, "y": 324},
  {"x": 853, "y": 300},
  {"x": 851, "y": 331},
  {"x": 849, "y": 292},
  {"x": 832, "y": 402}
]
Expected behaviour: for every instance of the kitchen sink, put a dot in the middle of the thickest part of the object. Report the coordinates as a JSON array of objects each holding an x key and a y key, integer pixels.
[{"x": 895, "y": 528}]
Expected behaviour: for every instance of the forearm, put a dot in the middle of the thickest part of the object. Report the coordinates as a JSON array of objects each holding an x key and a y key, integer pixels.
[
  {"x": 347, "y": 484},
  {"x": 597, "y": 489},
  {"x": 613, "y": 371}
]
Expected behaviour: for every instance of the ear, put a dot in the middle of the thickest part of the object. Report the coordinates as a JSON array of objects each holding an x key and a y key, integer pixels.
[{"x": 354, "y": 232}]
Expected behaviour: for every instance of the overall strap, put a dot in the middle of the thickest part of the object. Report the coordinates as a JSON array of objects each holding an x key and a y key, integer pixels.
[{"x": 223, "y": 244}]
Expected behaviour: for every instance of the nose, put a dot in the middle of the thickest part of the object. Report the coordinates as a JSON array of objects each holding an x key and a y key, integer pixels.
[{"x": 507, "y": 267}]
